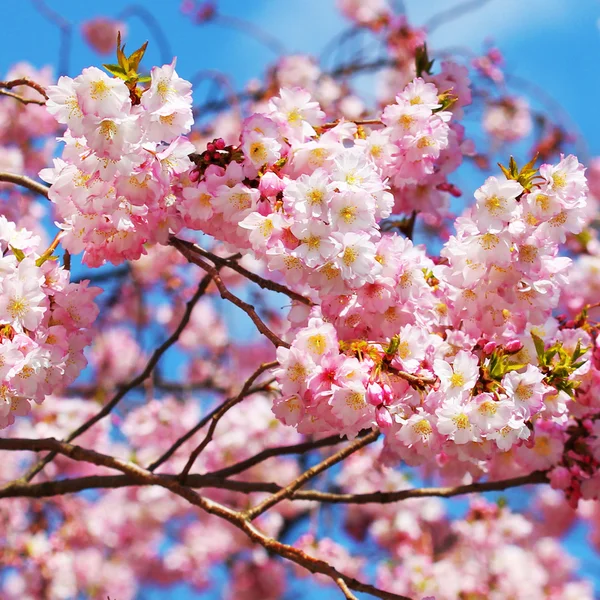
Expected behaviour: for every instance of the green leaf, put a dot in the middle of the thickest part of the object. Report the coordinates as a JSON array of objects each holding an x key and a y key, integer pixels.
[
  {"x": 578, "y": 352},
  {"x": 393, "y": 347},
  {"x": 43, "y": 258},
  {"x": 121, "y": 58},
  {"x": 505, "y": 171},
  {"x": 144, "y": 79},
  {"x": 117, "y": 71},
  {"x": 539, "y": 348},
  {"x": 136, "y": 57},
  {"x": 18, "y": 253}
]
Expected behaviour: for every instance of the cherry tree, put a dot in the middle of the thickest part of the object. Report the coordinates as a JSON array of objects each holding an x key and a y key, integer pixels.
[{"x": 402, "y": 342}]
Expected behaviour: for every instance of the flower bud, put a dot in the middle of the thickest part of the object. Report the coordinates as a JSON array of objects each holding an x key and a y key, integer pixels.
[
  {"x": 270, "y": 184},
  {"x": 375, "y": 394},
  {"x": 513, "y": 346},
  {"x": 560, "y": 478},
  {"x": 383, "y": 417},
  {"x": 489, "y": 347}
]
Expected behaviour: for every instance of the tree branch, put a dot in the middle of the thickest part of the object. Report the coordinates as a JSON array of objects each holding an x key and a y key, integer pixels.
[
  {"x": 227, "y": 295},
  {"x": 276, "y": 451},
  {"x": 266, "y": 284},
  {"x": 220, "y": 413},
  {"x": 22, "y": 99},
  {"x": 140, "y": 475},
  {"x": 288, "y": 490},
  {"x": 25, "y": 182}
]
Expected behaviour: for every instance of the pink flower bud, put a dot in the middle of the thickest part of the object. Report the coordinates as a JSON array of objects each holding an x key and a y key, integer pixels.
[
  {"x": 375, "y": 394},
  {"x": 560, "y": 478},
  {"x": 513, "y": 346},
  {"x": 489, "y": 347},
  {"x": 383, "y": 417},
  {"x": 270, "y": 184}
]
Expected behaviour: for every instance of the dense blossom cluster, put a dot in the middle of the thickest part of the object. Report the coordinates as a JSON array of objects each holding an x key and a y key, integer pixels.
[
  {"x": 452, "y": 372},
  {"x": 114, "y": 187},
  {"x": 307, "y": 197},
  {"x": 44, "y": 323}
]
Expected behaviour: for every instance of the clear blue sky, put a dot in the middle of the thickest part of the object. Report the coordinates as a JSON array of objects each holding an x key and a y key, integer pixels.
[{"x": 552, "y": 43}]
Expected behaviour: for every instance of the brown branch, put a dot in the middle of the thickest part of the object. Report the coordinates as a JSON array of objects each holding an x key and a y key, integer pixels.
[
  {"x": 25, "y": 182},
  {"x": 266, "y": 284},
  {"x": 414, "y": 379},
  {"x": 203, "y": 421},
  {"x": 156, "y": 356},
  {"x": 74, "y": 485},
  {"x": 227, "y": 295},
  {"x": 140, "y": 475},
  {"x": 9, "y": 85},
  {"x": 22, "y": 99},
  {"x": 289, "y": 489},
  {"x": 333, "y": 124},
  {"x": 302, "y": 448},
  {"x": 218, "y": 415},
  {"x": 536, "y": 477},
  {"x": 216, "y": 480}
]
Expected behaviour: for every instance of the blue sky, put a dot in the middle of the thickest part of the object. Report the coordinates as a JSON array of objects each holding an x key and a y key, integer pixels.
[{"x": 553, "y": 44}]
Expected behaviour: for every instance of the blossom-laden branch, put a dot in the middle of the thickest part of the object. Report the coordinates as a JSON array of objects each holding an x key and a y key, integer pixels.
[
  {"x": 227, "y": 295},
  {"x": 26, "y": 182},
  {"x": 266, "y": 284},
  {"x": 156, "y": 356}
]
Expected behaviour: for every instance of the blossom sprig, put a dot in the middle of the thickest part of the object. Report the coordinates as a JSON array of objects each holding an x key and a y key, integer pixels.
[
  {"x": 44, "y": 323},
  {"x": 115, "y": 187}
]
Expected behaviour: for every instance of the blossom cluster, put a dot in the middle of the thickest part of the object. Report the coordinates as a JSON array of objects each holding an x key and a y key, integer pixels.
[
  {"x": 452, "y": 369},
  {"x": 307, "y": 197},
  {"x": 44, "y": 323},
  {"x": 114, "y": 186}
]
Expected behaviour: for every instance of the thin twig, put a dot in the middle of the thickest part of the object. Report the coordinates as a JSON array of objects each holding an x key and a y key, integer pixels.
[
  {"x": 453, "y": 13},
  {"x": 266, "y": 284},
  {"x": 189, "y": 434},
  {"x": 253, "y": 30},
  {"x": 65, "y": 28},
  {"x": 289, "y": 489},
  {"x": 302, "y": 448},
  {"x": 219, "y": 415},
  {"x": 345, "y": 589},
  {"x": 9, "y": 85},
  {"x": 227, "y": 295},
  {"x": 22, "y": 99}
]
